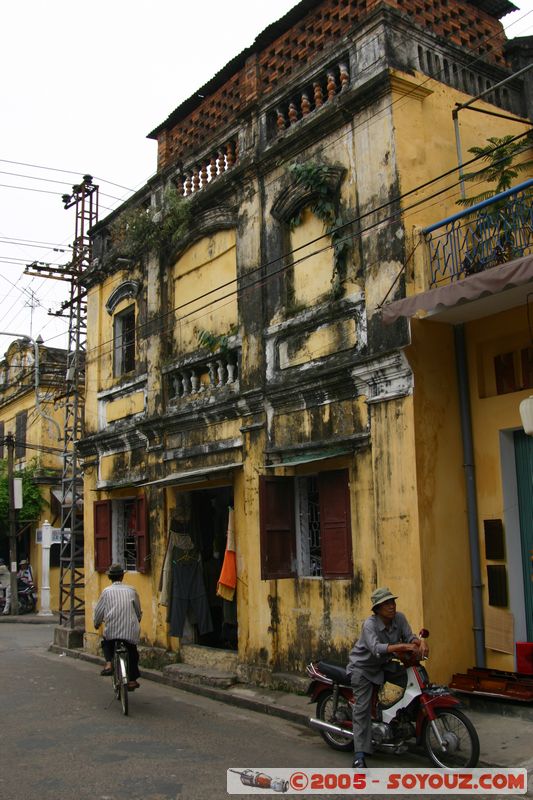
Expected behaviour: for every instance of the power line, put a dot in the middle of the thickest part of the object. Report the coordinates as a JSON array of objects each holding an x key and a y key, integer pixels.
[
  {"x": 350, "y": 223},
  {"x": 65, "y": 171}
]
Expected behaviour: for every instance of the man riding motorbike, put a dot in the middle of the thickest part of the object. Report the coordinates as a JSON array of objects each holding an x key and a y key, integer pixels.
[{"x": 384, "y": 634}]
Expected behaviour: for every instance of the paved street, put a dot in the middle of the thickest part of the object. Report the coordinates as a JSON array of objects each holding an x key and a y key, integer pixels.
[{"x": 64, "y": 735}]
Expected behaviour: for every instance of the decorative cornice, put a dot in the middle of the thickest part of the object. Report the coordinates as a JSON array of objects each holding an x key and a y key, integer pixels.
[{"x": 387, "y": 378}]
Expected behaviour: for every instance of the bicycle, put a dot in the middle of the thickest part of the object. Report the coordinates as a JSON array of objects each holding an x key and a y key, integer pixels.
[{"x": 121, "y": 674}]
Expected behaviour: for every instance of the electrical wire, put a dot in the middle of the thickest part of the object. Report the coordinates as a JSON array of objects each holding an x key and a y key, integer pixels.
[
  {"x": 367, "y": 121},
  {"x": 272, "y": 274}
]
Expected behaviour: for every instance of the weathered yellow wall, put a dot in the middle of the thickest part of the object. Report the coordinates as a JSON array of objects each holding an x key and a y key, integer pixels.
[
  {"x": 312, "y": 274},
  {"x": 205, "y": 266},
  {"x": 445, "y": 564},
  {"x": 428, "y": 111}
]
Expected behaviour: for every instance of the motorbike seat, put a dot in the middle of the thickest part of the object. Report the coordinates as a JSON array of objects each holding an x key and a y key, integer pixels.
[{"x": 335, "y": 672}]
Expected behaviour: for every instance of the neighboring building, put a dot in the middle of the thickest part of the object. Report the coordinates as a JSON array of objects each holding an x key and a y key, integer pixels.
[
  {"x": 33, "y": 414},
  {"x": 244, "y": 363}
]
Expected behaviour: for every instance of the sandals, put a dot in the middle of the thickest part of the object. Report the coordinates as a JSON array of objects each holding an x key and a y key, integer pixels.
[
  {"x": 107, "y": 671},
  {"x": 132, "y": 685}
]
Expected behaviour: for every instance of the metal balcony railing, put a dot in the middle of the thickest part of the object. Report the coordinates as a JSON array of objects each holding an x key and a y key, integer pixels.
[{"x": 493, "y": 232}]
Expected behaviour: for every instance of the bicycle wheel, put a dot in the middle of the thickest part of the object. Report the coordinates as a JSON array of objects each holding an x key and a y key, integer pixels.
[
  {"x": 459, "y": 737},
  {"x": 123, "y": 681}
]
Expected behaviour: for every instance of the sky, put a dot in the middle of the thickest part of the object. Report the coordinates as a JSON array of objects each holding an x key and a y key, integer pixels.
[{"x": 82, "y": 86}]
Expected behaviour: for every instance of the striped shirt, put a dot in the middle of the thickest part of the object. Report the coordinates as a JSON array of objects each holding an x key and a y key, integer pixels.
[{"x": 120, "y": 611}]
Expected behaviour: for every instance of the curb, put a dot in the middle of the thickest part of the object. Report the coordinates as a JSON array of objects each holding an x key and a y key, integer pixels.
[
  {"x": 210, "y": 692},
  {"x": 30, "y": 619}
]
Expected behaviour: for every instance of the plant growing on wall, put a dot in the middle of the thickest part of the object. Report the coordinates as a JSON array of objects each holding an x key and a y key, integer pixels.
[
  {"x": 501, "y": 168},
  {"x": 494, "y": 234},
  {"x": 216, "y": 343},
  {"x": 325, "y": 206},
  {"x": 139, "y": 231},
  {"x": 32, "y": 499}
]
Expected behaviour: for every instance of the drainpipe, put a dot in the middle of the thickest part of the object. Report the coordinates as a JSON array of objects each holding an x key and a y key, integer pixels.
[{"x": 471, "y": 499}]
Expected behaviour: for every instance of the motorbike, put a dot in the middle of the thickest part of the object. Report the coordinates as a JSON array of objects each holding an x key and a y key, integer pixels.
[
  {"x": 425, "y": 715},
  {"x": 27, "y": 598}
]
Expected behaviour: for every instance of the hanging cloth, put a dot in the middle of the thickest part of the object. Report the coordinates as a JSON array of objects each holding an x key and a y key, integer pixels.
[{"x": 227, "y": 581}]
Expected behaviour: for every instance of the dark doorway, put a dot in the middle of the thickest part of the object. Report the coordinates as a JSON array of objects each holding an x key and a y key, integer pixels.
[{"x": 209, "y": 517}]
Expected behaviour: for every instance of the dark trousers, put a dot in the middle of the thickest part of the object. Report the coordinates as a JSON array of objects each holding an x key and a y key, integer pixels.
[
  {"x": 108, "y": 647},
  {"x": 363, "y": 690}
]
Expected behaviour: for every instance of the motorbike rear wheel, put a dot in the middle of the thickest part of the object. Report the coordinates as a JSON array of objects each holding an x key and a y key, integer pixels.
[
  {"x": 460, "y": 736},
  {"x": 324, "y": 712}
]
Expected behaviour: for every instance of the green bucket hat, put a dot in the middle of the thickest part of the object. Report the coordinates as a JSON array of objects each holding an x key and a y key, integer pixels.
[{"x": 381, "y": 595}]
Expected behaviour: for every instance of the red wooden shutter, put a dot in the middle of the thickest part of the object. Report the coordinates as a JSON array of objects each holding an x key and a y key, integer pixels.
[
  {"x": 278, "y": 538},
  {"x": 335, "y": 528},
  {"x": 141, "y": 531},
  {"x": 102, "y": 535}
]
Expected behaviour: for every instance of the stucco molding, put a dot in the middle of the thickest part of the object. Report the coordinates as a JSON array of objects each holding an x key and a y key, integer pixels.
[
  {"x": 387, "y": 378},
  {"x": 218, "y": 218},
  {"x": 296, "y": 196},
  {"x": 127, "y": 289}
]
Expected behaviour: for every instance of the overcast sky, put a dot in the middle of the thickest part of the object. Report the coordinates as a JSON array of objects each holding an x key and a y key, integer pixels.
[{"x": 82, "y": 85}]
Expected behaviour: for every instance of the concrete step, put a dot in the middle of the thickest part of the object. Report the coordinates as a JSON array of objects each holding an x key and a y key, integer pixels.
[
  {"x": 198, "y": 656},
  {"x": 208, "y": 676}
]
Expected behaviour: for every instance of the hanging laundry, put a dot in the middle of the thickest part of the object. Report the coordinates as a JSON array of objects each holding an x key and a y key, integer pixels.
[{"x": 228, "y": 574}]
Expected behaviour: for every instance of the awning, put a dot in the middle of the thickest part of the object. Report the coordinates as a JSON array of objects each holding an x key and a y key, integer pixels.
[
  {"x": 489, "y": 292},
  {"x": 291, "y": 458},
  {"x": 194, "y": 476}
]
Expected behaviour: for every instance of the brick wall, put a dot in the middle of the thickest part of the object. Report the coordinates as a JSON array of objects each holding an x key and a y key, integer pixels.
[{"x": 459, "y": 22}]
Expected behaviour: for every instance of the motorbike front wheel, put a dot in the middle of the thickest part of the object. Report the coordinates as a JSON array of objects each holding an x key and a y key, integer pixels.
[
  {"x": 460, "y": 743},
  {"x": 324, "y": 712}
]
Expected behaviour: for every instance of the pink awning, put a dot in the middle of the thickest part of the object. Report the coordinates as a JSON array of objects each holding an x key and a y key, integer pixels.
[{"x": 488, "y": 292}]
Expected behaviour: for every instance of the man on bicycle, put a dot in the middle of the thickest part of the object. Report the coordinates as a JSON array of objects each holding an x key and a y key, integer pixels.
[{"x": 119, "y": 609}]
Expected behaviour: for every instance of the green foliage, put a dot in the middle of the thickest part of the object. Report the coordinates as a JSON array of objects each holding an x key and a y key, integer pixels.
[
  {"x": 315, "y": 178},
  {"x": 501, "y": 168},
  {"x": 216, "y": 343},
  {"x": 140, "y": 231},
  {"x": 32, "y": 499}
]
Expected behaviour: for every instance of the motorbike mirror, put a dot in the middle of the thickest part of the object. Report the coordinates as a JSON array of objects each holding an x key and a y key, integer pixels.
[{"x": 424, "y": 634}]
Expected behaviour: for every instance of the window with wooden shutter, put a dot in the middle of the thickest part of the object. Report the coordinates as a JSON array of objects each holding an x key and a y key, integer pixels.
[
  {"x": 21, "y": 424},
  {"x": 2, "y": 435},
  {"x": 141, "y": 531},
  {"x": 335, "y": 527},
  {"x": 102, "y": 535},
  {"x": 278, "y": 538}
]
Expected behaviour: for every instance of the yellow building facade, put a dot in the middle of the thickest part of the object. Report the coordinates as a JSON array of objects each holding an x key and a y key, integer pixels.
[
  {"x": 30, "y": 411},
  {"x": 243, "y": 392}
]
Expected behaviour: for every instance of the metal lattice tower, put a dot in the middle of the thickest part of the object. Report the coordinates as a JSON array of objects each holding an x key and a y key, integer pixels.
[{"x": 84, "y": 198}]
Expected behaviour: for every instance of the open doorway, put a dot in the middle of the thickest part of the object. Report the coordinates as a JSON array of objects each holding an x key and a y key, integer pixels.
[{"x": 199, "y": 614}]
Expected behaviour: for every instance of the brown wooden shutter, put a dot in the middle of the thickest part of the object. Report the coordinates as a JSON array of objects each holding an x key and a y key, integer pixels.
[
  {"x": 2, "y": 435},
  {"x": 141, "y": 531},
  {"x": 102, "y": 535},
  {"x": 278, "y": 538},
  {"x": 21, "y": 429},
  {"x": 335, "y": 528}
]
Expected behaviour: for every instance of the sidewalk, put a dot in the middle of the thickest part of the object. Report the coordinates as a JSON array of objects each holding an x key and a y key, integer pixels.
[{"x": 31, "y": 619}]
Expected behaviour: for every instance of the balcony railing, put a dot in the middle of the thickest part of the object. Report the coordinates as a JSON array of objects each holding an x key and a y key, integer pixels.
[
  {"x": 493, "y": 232},
  {"x": 205, "y": 376}
]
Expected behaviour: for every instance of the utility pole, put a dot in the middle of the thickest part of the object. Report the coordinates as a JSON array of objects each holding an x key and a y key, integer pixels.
[
  {"x": 10, "y": 445},
  {"x": 84, "y": 199}
]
